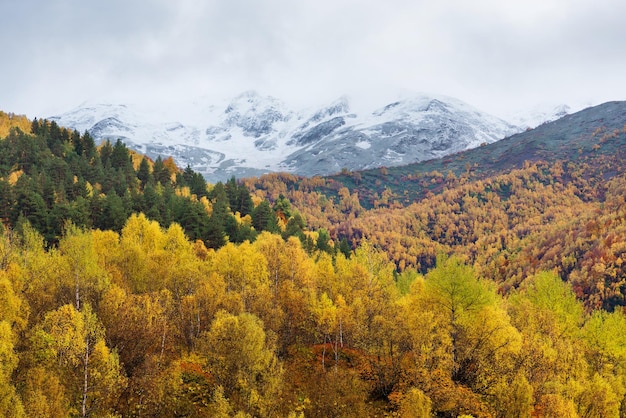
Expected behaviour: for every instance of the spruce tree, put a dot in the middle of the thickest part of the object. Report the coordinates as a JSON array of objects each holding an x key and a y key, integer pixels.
[
  {"x": 232, "y": 190},
  {"x": 222, "y": 220},
  {"x": 323, "y": 241},
  {"x": 344, "y": 248},
  {"x": 143, "y": 173},
  {"x": 78, "y": 143},
  {"x": 120, "y": 157},
  {"x": 244, "y": 201},
  {"x": 105, "y": 154},
  {"x": 264, "y": 218},
  {"x": 30, "y": 205},
  {"x": 160, "y": 173},
  {"x": 6, "y": 201},
  {"x": 295, "y": 227},
  {"x": 282, "y": 207}
]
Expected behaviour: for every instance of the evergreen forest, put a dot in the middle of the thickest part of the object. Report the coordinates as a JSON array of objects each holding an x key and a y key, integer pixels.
[{"x": 132, "y": 288}]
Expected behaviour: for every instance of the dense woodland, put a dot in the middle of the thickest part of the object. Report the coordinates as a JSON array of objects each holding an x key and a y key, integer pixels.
[
  {"x": 133, "y": 288},
  {"x": 53, "y": 176}
]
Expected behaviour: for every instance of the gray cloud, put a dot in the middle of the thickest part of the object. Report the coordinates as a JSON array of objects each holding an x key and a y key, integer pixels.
[{"x": 496, "y": 55}]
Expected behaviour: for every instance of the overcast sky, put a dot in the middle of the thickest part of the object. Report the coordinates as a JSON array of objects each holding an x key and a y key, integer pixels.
[{"x": 497, "y": 55}]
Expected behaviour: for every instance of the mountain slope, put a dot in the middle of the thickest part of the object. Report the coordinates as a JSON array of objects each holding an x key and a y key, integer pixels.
[
  {"x": 253, "y": 134},
  {"x": 594, "y": 135},
  {"x": 550, "y": 199},
  {"x": 399, "y": 133}
]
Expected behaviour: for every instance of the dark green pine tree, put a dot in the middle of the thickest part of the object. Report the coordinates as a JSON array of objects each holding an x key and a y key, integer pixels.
[
  {"x": 120, "y": 157},
  {"x": 282, "y": 207},
  {"x": 166, "y": 203},
  {"x": 295, "y": 227},
  {"x": 105, "y": 154},
  {"x": 96, "y": 210},
  {"x": 6, "y": 201},
  {"x": 160, "y": 173},
  {"x": 219, "y": 199},
  {"x": 195, "y": 181},
  {"x": 239, "y": 197},
  {"x": 79, "y": 212},
  {"x": 231, "y": 228},
  {"x": 308, "y": 244},
  {"x": 197, "y": 185},
  {"x": 244, "y": 201},
  {"x": 56, "y": 219},
  {"x": 146, "y": 200},
  {"x": 6, "y": 157},
  {"x": 264, "y": 218},
  {"x": 323, "y": 241},
  {"x": 55, "y": 139},
  {"x": 29, "y": 205},
  {"x": 57, "y": 170},
  {"x": 231, "y": 188},
  {"x": 27, "y": 152},
  {"x": 194, "y": 219},
  {"x": 76, "y": 166},
  {"x": 48, "y": 190},
  {"x": 122, "y": 162},
  {"x": 143, "y": 173},
  {"x": 77, "y": 141},
  {"x": 78, "y": 189},
  {"x": 93, "y": 172},
  {"x": 90, "y": 151},
  {"x": 35, "y": 127},
  {"x": 245, "y": 233},
  {"x": 108, "y": 212},
  {"x": 222, "y": 222},
  {"x": 120, "y": 185},
  {"x": 344, "y": 247},
  {"x": 215, "y": 236},
  {"x": 216, "y": 233}
]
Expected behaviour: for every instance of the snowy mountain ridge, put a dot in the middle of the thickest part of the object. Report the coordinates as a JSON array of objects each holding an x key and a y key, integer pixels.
[
  {"x": 540, "y": 114},
  {"x": 254, "y": 134}
]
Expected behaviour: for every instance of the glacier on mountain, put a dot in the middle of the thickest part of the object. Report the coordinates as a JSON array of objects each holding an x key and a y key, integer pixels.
[{"x": 254, "y": 134}]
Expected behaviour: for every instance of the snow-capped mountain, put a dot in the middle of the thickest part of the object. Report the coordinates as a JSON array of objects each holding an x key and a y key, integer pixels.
[
  {"x": 254, "y": 134},
  {"x": 540, "y": 114}
]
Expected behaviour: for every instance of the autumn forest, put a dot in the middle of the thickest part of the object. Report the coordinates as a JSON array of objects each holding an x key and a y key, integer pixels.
[{"x": 130, "y": 287}]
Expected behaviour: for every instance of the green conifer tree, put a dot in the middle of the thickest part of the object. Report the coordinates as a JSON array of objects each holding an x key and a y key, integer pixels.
[{"x": 264, "y": 218}]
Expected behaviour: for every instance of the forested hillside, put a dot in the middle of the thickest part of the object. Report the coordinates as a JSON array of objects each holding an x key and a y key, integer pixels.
[
  {"x": 548, "y": 199},
  {"x": 53, "y": 175},
  {"x": 131, "y": 288},
  {"x": 586, "y": 135}
]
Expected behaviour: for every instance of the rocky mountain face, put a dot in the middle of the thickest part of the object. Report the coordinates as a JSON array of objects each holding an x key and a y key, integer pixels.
[{"x": 254, "y": 134}]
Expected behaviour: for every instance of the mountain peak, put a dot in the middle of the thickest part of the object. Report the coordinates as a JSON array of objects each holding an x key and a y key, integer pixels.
[
  {"x": 541, "y": 113},
  {"x": 254, "y": 134},
  {"x": 250, "y": 100}
]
